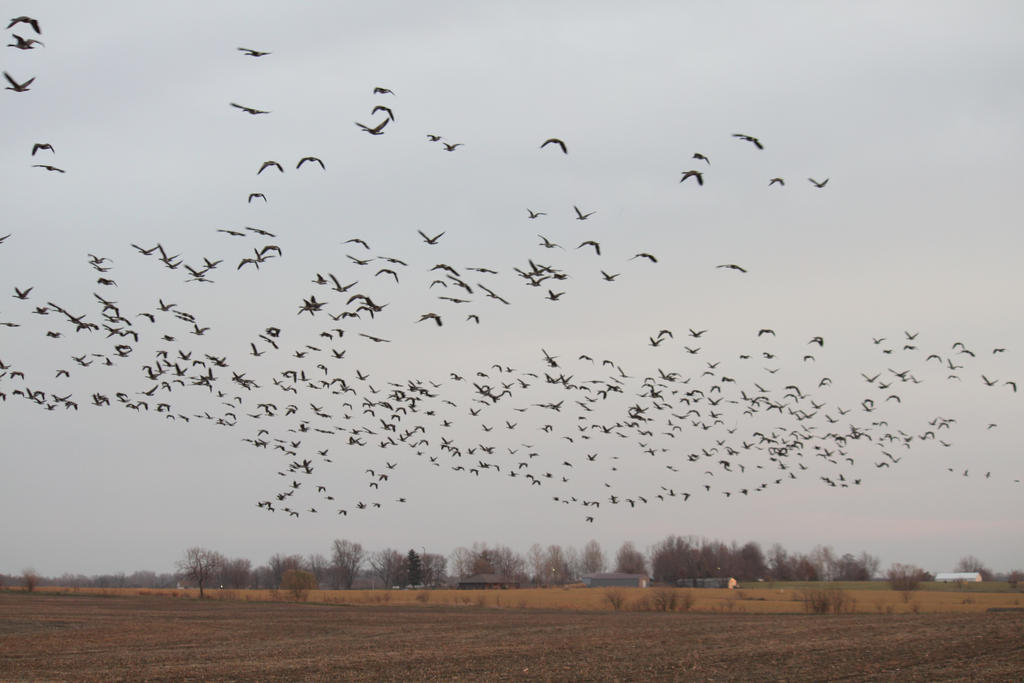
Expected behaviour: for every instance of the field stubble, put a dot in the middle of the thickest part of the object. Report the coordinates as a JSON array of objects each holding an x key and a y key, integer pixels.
[{"x": 121, "y": 637}]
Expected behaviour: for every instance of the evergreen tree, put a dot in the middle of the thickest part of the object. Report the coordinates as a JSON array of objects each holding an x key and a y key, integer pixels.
[{"x": 414, "y": 568}]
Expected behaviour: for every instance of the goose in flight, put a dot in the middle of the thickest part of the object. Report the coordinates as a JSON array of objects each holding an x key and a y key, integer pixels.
[
  {"x": 555, "y": 141},
  {"x": 252, "y": 53},
  {"x": 248, "y": 110},
  {"x": 698, "y": 155},
  {"x": 377, "y": 130},
  {"x": 749, "y": 138},
  {"x": 693, "y": 174},
  {"x": 535, "y": 214},
  {"x": 382, "y": 91},
  {"x": 48, "y": 167},
  {"x": 25, "y": 20},
  {"x": 732, "y": 266},
  {"x": 817, "y": 184},
  {"x": 430, "y": 240},
  {"x": 580, "y": 216},
  {"x": 776, "y": 181},
  {"x": 15, "y": 86},
  {"x": 25, "y": 43},
  {"x": 311, "y": 159},
  {"x": 42, "y": 145},
  {"x": 268, "y": 164}
]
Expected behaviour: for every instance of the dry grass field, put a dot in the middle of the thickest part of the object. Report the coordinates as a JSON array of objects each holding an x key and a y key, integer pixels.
[
  {"x": 854, "y": 598},
  {"x": 49, "y": 636}
]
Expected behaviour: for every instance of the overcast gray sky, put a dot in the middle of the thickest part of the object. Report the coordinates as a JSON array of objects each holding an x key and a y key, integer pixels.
[{"x": 911, "y": 112}]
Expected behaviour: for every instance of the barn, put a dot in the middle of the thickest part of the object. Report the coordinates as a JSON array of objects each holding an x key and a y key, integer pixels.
[
  {"x": 956, "y": 577},
  {"x": 486, "y": 581},
  {"x": 708, "y": 582},
  {"x": 615, "y": 579}
]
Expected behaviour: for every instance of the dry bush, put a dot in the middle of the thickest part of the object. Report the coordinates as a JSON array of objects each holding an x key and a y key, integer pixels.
[
  {"x": 423, "y": 596},
  {"x": 298, "y": 583},
  {"x": 642, "y": 604},
  {"x": 481, "y": 600},
  {"x": 827, "y": 601},
  {"x": 616, "y": 597},
  {"x": 905, "y": 577},
  {"x": 686, "y": 600},
  {"x": 30, "y": 579},
  {"x": 664, "y": 599},
  {"x": 915, "y": 608}
]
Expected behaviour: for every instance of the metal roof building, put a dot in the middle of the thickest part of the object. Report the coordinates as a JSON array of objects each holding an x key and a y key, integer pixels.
[
  {"x": 953, "y": 577},
  {"x": 615, "y": 579}
]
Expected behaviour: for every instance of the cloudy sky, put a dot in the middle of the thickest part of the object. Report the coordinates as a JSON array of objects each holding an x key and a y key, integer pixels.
[{"x": 913, "y": 117}]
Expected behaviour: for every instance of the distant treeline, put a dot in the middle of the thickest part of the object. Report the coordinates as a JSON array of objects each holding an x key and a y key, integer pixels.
[{"x": 349, "y": 565}]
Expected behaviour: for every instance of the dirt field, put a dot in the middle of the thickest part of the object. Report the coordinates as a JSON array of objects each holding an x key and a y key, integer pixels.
[{"x": 88, "y": 637}]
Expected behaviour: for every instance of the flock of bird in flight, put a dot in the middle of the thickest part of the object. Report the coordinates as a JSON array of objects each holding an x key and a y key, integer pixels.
[{"x": 573, "y": 426}]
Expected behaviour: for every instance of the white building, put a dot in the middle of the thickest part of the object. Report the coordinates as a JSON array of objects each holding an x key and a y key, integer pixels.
[{"x": 955, "y": 577}]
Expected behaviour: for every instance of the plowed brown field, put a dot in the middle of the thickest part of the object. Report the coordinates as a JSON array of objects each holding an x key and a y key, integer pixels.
[{"x": 87, "y": 637}]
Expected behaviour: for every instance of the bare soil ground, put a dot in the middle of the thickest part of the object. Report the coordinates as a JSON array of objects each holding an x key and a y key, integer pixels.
[{"x": 87, "y": 637}]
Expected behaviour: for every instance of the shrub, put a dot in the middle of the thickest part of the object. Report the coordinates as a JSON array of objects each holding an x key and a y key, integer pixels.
[
  {"x": 686, "y": 600},
  {"x": 30, "y": 579},
  {"x": 616, "y": 597},
  {"x": 1015, "y": 577},
  {"x": 664, "y": 599},
  {"x": 298, "y": 583},
  {"x": 905, "y": 577},
  {"x": 827, "y": 600}
]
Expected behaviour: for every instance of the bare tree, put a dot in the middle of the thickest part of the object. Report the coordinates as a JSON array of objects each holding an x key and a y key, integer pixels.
[
  {"x": 200, "y": 566},
  {"x": 279, "y": 564},
  {"x": 629, "y": 560},
  {"x": 508, "y": 563},
  {"x": 537, "y": 561},
  {"x": 317, "y": 565},
  {"x": 462, "y": 561},
  {"x": 387, "y": 565},
  {"x": 346, "y": 560},
  {"x": 433, "y": 569},
  {"x": 593, "y": 560},
  {"x": 235, "y": 573},
  {"x": 970, "y": 563}
]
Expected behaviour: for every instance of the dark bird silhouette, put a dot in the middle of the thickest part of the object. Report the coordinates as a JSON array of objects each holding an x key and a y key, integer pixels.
[
  {"x": 430, "y": 240},
  {"x": 580, "y": 216},
  {"x": 252, "y": 53},
  {"x": 269, "y": 164},
  {"x": 591, "y": 243},
  {"x": 693, "y": 174},
  {"x": 310, "y": 159},
  {"x": 248, "y": 110},
  {"x": 535, "y": 214},
  {"x": 257, "y": 195},
  {"x": 24, "y": 43},
  {"x": 49, "y": 167},
  {"x": 15, "y": 86},
  {"x": 382, "y": 91},
  {"x": 555, "y": 141},
  {"x": 42, "y": 145},
  {"x": 818, "y": 185},
  {"x": 649, "y": 257},
  {"x": 749, "y": 138},
  {"x": 451, "y": 147},
  {"x": 25, "y": 20},
  {"x": 701, "y": 157},
  {"x": 774, "y": 181},
  {"x": 732, "y": 266},
  {"x": 376, "y": 130}
]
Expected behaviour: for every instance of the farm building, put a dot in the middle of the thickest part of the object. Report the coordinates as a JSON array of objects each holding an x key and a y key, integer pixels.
[
  {"x": 955, "y": 577},
  {"x": 615, "y": 579},
  {"x": 486, "y": 581},
  {"x": 710, "y": 582}
]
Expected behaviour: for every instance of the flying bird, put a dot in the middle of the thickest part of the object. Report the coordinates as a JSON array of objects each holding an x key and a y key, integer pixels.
[
  {"x": 268, "y": 164},
  {"x": 749, "y": 138},
  {"x": 25, "y": 20},
  {"x": 15, "y": 86},
  {"x": 555, "y": 141},
  {"x": 311, "y": 159},
  {"x": 252, "y": 53},
  {"x": 817, "y": 184},
  {"x": 693, "y": 174},
  {"x": 25, "y": 43},
  {"x": 248, "y": 110},
  {"x": 733, "y": 266},
  {"x": 42, "y": 145},
  {"x": 580, "y": 216}
]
